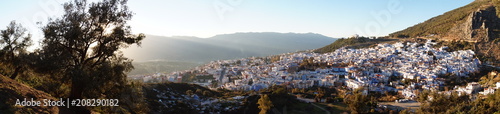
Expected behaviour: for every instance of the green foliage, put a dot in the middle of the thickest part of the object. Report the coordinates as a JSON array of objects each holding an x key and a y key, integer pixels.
[
  {"x": 132, "y": 100},
  {"x": 11, "y": 90},
  {"x": 440, "y": 24},
  {"x": 496, "y": 3},
  {"x": 320, "y": 94},
  {"x": 309, "y": 64},
  {"x": 46, "y": 83},
  {"x": 488, "y": 105},
  {"x": 83, "y": 46},
  {"x": 405, "y": 111},
  {"x": 199, "y": 91},
  {"x": 280, "y": 91},
  {"x": 455, "y": 45},
  {"x": 490, "y": 79},
  {"x": 440, "y": 103},
  {"x": 189, "y": 92},
  {"x": 341, "y": 43},
  {"x": 360, "y": 42},
  {"x": 423, "y": 96},
  {"x": 451, "y": 80},
  {"x": 13, "y": 43},
  {"x": 250, "y": 82},
  {"x": 188, "y": 77},
  {"x": 434, "y": 102},
  {"x": 207, "y": 93},
  {"x": 265, "y": 104},
  {"x": 81, "y": 52},
  {"x": 157, "y": 94},
  {"x": 295, "y": 90},
  {"x": 359, "y": 103}
]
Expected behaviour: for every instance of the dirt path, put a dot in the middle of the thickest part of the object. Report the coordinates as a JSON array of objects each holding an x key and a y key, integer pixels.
[
  {"x": 410, "y": 105},
  {"x": 310, "y": 101},
  {"x": 326, "y": 111}
]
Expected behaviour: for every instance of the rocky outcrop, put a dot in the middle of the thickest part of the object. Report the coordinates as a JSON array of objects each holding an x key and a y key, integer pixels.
[
  {"x": 478, "y": 27},
  {"x": 483, "y": 28}
]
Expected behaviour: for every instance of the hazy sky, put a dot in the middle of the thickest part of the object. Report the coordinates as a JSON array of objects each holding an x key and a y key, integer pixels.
[{"x": 206, "y": 18}]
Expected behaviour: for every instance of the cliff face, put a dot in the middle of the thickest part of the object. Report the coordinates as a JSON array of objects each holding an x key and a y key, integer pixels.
[
  {"x": 483, "y": 28},
  {"x": 478, "y": 27},
  {"x": 477, "y": 22}
]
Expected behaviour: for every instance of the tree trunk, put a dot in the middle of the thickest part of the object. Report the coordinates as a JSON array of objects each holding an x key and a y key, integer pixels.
[
  {"x": 77, "y": 86},
  {"x": 76, "y": 89},
  {"x": 16, "y": 72}
]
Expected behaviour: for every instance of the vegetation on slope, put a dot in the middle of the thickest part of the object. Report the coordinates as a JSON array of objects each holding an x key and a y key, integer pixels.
[
  {"x": 149, "y": 67},
  {"x": 79, "y": 58},
  {"x": 156, "y": 95},
  {"x": 11, "y": 90},
  {"x": 281, "y": 101},
  {"x": 356, "y": 43},
  {"x": 457, "y": 104},
  {"x": 476, "y": 23},
  {"x": 359, "y": 103},
  {"x": 443, "y": 23}
]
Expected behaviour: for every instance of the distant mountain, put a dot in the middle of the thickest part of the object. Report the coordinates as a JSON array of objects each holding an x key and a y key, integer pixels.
[
  {"x": 196, "y": 51},
  {"x": 477, "y": 23}
]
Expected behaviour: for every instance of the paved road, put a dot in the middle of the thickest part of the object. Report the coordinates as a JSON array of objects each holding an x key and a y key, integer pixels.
[{"x": 493, "y": 66}]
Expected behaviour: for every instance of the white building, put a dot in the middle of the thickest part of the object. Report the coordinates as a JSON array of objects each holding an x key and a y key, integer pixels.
[
  {"x": 353, "y": 84},
  {"x": 487, "y": 91}
]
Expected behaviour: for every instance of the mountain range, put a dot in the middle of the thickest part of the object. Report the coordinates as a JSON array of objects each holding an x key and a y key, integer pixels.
[
  {"x": 474, "y": 26},
  {"x": 476, "y": 23},
  {"x": 165, "y": 54}
]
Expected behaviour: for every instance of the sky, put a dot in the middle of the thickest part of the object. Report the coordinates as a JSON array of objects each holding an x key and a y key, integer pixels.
[{"x": 207, "y": 18}]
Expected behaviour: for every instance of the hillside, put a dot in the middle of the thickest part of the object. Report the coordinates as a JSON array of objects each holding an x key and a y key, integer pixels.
[
  {"x": 162, "y": 54},
  {"x": 477, "y": 22},
  {"x": 173, "y": 98},
  {"x": 11, "y": 90},
  {"x": 441, "y": 25},
  {"x": 161, "y": 66},
  {"x": 356, "y": 43},
  {"x": 226, "y": 46}
]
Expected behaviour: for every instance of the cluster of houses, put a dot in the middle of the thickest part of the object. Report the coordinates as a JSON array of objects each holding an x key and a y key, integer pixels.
[{"x": 400, "y": 67}]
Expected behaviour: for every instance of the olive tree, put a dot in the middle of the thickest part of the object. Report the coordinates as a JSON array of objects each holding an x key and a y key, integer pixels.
[
  {"x": 83, "y": 46},
  {"x": 13, "y": 44}
]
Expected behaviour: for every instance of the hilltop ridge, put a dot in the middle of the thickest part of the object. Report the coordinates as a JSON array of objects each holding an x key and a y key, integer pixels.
[
  {"x": 477, "y": 23},
  {"x": 479, "y": 14}
]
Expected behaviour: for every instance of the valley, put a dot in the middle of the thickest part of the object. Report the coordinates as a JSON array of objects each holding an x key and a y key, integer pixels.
[{"x": 302, "y": 63}]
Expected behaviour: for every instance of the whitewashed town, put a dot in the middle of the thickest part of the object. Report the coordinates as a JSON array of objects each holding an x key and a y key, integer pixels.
[{"x": 384, "y": 67}]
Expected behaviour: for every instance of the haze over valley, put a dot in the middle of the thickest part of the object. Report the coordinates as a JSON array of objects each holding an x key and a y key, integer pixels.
[
  {"x": 167, "y": 54},
  {"x": 258, "y": 56}
]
